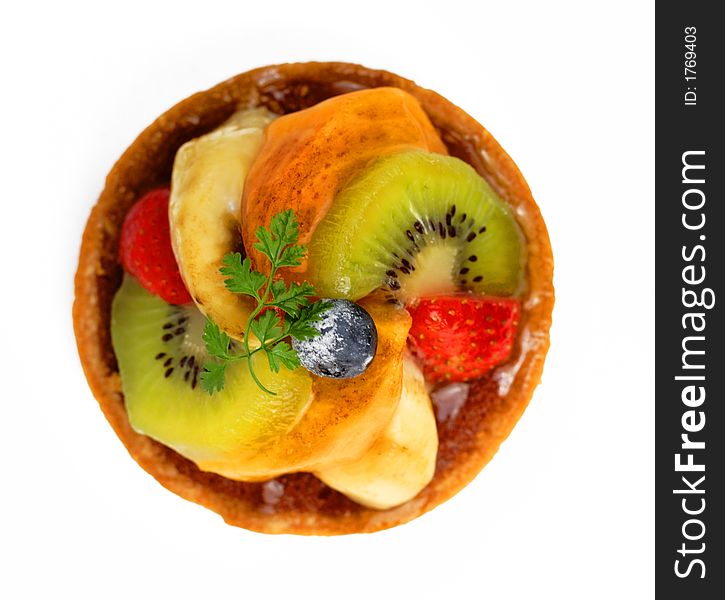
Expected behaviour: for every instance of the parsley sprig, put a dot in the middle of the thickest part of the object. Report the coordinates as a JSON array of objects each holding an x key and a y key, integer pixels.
[{"x": 279, "y": 245}]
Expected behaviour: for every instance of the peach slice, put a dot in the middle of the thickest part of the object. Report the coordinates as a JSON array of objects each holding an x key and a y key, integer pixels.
[{"x": 308, "y": 156}]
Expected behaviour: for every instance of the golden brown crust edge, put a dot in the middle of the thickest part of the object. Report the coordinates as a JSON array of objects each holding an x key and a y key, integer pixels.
[{"x": 466, "y": 444}]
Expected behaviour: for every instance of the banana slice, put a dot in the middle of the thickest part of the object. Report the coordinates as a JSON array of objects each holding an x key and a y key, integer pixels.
[
  {"x": 402, "y": 461},
  {"x": 206, "y": 191}
]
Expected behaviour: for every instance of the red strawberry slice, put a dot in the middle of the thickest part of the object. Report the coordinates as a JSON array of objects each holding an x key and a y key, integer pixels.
[
  {"x": 146, "y": 248},
  {"x": 459, "y": 338}
]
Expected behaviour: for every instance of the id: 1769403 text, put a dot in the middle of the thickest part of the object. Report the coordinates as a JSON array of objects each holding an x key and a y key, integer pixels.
[{"x": 690, "y": 66}]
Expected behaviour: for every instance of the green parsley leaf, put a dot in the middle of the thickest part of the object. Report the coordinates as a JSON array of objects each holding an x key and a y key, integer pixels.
[
  {"x": 285, "y": 228},
  {"x": 292, "y": 299},
  {"x": 279, "y": 244},
  {"x": 277, "y": 289},
  {"x": 313, "y": 312},
  {"x": 267, "y": 245},
  {"x": 212, "y": 377},
  {"x": 283, "y": 353},
  {"x": 301, "y": 331},
  {"x": 301, "y": 328},
  {"x": 283, "y": 231},
  {"x": 217, "y": 342},
  {"x": 292, "y": 256},
  {"x": 240, "y": 277},
  {"x": 267, "y": 326}
]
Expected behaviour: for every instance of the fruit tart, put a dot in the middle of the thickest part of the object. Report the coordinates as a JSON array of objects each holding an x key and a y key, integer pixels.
[{"x": 314, "y": 299}]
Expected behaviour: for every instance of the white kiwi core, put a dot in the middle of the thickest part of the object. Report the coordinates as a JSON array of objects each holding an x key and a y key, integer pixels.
[{"x": 440, "y": 259}]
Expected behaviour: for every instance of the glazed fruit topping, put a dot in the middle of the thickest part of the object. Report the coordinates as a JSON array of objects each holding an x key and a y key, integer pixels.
[
  {"x": 422, "y": 224},
  {"x": 309, "y": 154},
  {"x": 402, "y": 460},
  {"x": 278, "y": 245},
  {"x": 160, "y": 355},
  {"x": 146, "y": 248},
  {"x": 459, "y": 338}
]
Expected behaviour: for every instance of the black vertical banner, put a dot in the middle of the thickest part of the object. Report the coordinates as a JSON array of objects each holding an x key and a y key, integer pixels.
[{"x": 690, "y": 256}]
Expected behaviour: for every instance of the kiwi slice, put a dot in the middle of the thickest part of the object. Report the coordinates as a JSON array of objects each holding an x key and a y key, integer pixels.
[
  {"x": 421, "y": 224},
  {"x": 161, "y": 354}
]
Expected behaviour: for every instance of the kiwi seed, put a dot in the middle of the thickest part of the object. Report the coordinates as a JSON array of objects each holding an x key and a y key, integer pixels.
[{"x": 188, "y": 364}]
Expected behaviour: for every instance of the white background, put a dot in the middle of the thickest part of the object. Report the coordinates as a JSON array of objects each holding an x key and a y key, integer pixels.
[{"x": 565, "y": 510}]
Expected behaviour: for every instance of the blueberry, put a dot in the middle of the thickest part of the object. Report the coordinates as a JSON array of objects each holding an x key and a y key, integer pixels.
[{"x": 346, "y": 344}]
